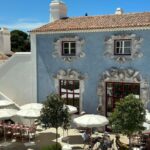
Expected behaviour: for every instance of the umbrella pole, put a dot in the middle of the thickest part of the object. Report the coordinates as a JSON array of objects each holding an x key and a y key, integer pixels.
[{"x": 29, "y": 130}]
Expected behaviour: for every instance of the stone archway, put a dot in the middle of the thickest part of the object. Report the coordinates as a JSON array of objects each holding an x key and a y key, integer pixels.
[
  {"x": 129, "y": 75},
  {"x": 71, "y": 74}
]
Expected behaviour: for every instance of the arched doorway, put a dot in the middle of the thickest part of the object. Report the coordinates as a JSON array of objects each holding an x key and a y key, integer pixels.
[{"x": 116, "y": 83}]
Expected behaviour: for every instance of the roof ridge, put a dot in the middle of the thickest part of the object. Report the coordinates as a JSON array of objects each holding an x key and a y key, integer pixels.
[{"x": 103, "y": 15}]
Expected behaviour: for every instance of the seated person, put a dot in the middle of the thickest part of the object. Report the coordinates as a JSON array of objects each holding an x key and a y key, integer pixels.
[
  {"x": 86, "y": 137},
  {"x": 95, "y": 142},
  {"x": 106, "y": 142},
  {"x": 148, "y": 143}
]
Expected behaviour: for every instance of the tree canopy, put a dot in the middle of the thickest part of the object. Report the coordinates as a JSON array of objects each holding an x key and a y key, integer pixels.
[
  {"x": 20, "y": 41},
  {"x": 128, "y": 116},
  {"x": 54, "y": 114}
]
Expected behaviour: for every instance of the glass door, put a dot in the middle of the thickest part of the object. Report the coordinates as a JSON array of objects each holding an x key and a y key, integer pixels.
[
  {"x": 70, "y": 92},
  {"x": 115, "y": 91}
]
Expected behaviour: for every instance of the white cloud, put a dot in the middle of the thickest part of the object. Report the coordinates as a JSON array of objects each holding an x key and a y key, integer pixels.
[
  {"x": 24, "y": 24},
  {"x": 27, "y": 20}
]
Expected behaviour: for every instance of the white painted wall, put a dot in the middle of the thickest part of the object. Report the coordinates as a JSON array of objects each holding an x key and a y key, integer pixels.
[
  {"x": 17, "y": 78},
  {"x": 5, "y": 46}
]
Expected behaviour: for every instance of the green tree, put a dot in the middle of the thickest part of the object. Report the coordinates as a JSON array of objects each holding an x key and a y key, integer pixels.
[
  {"x": 54, "y": 114},
  {"x": 128, "y": 116},
  {"x": 20, "y": 41}
]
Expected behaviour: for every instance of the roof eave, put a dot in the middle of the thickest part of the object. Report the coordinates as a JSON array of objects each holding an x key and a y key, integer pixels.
[{"x": 91, "y": 30}]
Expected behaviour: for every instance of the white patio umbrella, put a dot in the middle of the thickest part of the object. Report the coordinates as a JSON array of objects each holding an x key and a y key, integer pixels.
[
  {"x": 91, "y": 120},
  {"x": 29, "y": 113},
  {"x": 4, "y": 103},
  {"x": 7, "y": 114},
  {"x": 37, "y": 106},
  {"x": 147, "y": 127},
  {"x": 71, "y": 109},
  {"x": 147, "y": 116}
]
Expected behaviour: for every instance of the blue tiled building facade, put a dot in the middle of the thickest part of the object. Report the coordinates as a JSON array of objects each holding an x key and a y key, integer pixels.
[{"x": 95, "y": 68}]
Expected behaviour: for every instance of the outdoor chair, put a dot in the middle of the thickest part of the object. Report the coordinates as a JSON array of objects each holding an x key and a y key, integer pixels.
[
  {"x": 1, "y": 133},
  {"x": 8, "y": 131},
  {"x": 25, "y": 133},
  {"x": 16, "y": 132},
  {"x": 32, "y": 131}
]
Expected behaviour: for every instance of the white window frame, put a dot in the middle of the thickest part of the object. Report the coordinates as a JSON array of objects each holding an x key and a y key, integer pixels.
[
  {"x": 136, "y": 43},
  {"x": 69, "y": 48},
  {"x": 122, "y": 47},
  {"x": 58, "y": 47}
]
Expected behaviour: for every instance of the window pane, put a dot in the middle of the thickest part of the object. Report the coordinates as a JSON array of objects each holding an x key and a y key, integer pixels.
[
  {"x": 127, "y": 43},
  {"x": 65, "y": 45},
  {"x": 76, "y": 88},
  {"x": 69, "y": 48},
  {"x": 127, "y": 50},
  {"x": 76, "y": 84},
  {"x": 118, "y": 50},
  {"x": 73, "y": 45},
  {"x": 118, "y": 43},
  {"x": 65, "y": 51},
  {"x": 117, "y": 89},
  {"x": 73, "y": 51},
  {"x": 122, "y": 47},
  {"x": 70, "y": 86}
]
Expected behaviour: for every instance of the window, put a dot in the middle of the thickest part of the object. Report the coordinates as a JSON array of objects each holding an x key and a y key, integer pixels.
[
  {"x": 122, "y": 47},
  {"x": 70, "y": 92},
  {"x": 118, "y": 90},
  {"x": 68, "y": 48}
]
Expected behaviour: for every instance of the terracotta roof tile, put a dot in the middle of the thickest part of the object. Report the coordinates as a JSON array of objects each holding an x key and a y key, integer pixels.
[{"x": 98, "y": 22}]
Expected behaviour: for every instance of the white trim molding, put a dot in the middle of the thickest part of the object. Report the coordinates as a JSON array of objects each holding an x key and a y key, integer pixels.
[
  {"x": 57, "y": 53},
  {"x": 129, "y": 75},
  {"x": 71, "y": 74},
  {"x": 135, "y": 47}
]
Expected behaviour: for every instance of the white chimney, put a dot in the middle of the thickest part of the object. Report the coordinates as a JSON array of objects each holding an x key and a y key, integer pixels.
[
  {"x": 58, "y": 10},
  {"x": 119, "y": 11},
  {"x": 5, "y": 44}
]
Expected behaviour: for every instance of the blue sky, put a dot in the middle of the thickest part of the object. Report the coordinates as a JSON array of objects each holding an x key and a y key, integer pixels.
[{"x": 28, "y": 14}]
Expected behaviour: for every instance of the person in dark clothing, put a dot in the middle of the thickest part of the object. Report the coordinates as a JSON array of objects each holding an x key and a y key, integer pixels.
[{"x": 148, "y": 143}]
